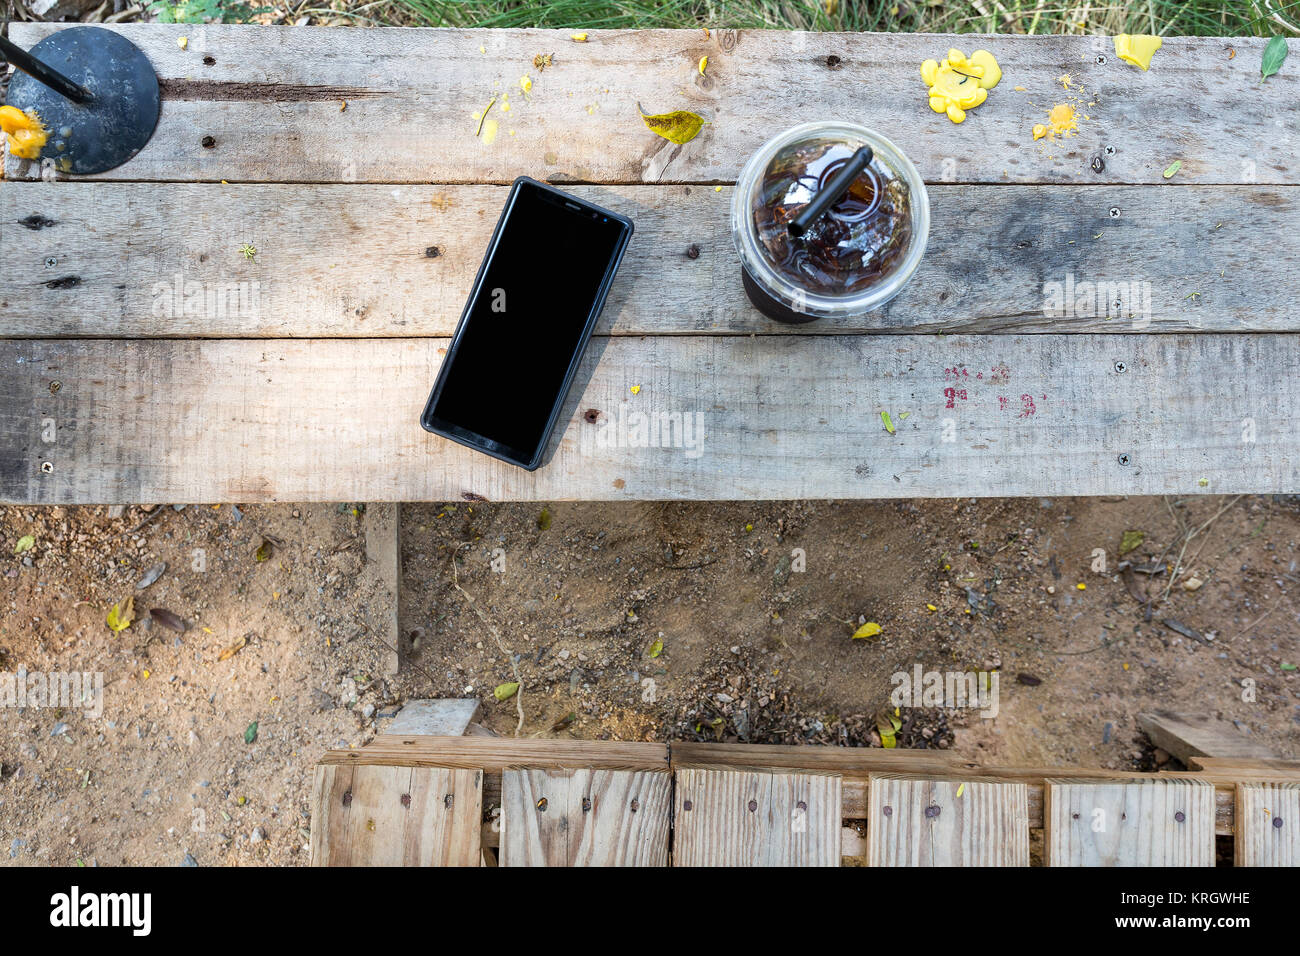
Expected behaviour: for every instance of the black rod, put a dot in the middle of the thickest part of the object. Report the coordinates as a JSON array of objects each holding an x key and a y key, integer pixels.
[
  {"x": 833, "y": 193},
  {"x": 42, "y": 73}
]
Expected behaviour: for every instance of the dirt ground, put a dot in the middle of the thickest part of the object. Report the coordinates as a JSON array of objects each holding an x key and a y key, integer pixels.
[{"x": 648, "y": 621}]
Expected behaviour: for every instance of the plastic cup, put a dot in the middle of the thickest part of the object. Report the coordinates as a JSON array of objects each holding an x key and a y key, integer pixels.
[{"x": 856, "y": 257}]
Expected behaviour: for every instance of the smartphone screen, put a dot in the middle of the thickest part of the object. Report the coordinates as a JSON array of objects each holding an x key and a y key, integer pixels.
[{"x": 528, "y": 319}]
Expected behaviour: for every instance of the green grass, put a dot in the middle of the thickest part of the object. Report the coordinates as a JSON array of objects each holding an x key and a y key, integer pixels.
[{"x": 1166, "y": 17}]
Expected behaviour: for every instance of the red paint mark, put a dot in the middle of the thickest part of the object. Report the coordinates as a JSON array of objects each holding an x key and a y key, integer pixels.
[
  {"x": 1001, "y": 373},
  {"x": 1002, "y": 403},
  {"x": 952, "y": 394},
  {"x": 956, "y": 372},
  {"x": 1028, "y": 402}
]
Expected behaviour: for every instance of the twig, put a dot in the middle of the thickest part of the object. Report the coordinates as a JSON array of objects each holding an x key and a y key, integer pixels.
[
  {"x": 496, "y": 635},
  {"x": 1178, "y": 566}
]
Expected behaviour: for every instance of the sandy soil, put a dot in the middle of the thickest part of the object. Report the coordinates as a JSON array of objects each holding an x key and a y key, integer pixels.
[{"x": 647, "y": 621}]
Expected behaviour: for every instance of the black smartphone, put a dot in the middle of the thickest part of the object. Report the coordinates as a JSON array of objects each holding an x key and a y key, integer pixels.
[{"x": 530, "y": 313}]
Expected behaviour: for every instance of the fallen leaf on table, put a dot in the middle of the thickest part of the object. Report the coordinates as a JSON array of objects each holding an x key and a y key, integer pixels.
[
  {"x": 961, "y": 788},
  {"x": 506, "y": 691},
  {"x": 120, "y": 614},
  {"x": 1130, "y": 541},
  {"x": 1274, "y": 53},
  {"x": 870, "y": 629},
  {"x": 1172, "y": 168},
  {"x": 25, "y": 543},
  {"x": 656, "y": 648},
  {"x": 889, "y": 422},
  {"x": 679, "y": 126}
]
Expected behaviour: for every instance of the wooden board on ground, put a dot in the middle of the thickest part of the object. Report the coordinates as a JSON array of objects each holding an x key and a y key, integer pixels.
[
  {"x": 396, "y": 816},
  {"x": 444, "y": 717},
  {"x": 384, "y": 555},
  {"x": 585, "y": 817},
  {"x": 713, "y": 417},
  {"x": 1267, "y": 825},
  {"x": 1143, "y": 822},
  {"x": 403, "y": 261},
  {"x": 926, "y": 821},
  {"x": 267, "y": 103},
  {"x": 756, "y": 818},
  {"x": 1199, "y": 735}
]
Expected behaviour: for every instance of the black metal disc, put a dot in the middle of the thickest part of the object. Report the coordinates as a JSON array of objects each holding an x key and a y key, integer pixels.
[{"x": 116, "y": 123}]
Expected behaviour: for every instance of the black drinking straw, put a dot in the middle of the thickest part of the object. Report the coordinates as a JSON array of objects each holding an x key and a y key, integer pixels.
[
  {"x": 43, "y": 72},
  {"x": 833, "y": 193}
]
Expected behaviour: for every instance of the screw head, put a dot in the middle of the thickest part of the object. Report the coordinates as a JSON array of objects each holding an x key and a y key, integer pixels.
[
  {"x": 1110, "y": 150},
  {"x": 1123, "y": 459},
  {"x": 1101, "y": 59},
  {"x": 55, "y": 386},
  {"x": 1114, "y": 212},
  {"x": 51, "y": 262},
  {"x": 1277, "y": 823},
  {"x": 1180, "y": 816},
  {"x": 1121, "y": 367}
]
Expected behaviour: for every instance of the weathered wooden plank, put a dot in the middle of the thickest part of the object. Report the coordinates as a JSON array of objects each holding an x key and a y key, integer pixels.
[
  {"x": 163, "y": 260},
  {"x": 495, "y": 754},
  {"x": 1198, "y": 735},
  {"x": 585, "y": 817},
  {"x": 765, "y": 417},
  {"x": 756, "y": 818},
  {"x": 442, "y": 717},
  {"x": 1267, "y": 825},
  {"x": 1143, "y": 822},
  {"x": 928, "y": 821},
  {"x": 270, "y": 98},
  {"x": 396, "y": 816},
  {"x": 384, "y": 555}
]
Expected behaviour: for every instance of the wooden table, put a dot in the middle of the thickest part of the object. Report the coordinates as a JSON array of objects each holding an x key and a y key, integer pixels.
[{"x": 145, "y": 358}]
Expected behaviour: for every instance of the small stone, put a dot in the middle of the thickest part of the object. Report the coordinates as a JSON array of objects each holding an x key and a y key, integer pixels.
[
  {"x": 1192, "y": 584},
  {"x": 368, "y": 711},
  {"x": 564, "y": 654},
  {"x": 59, "y": 728},
  {"x": 257, "y": 836},
  {"x": 189, "y": 861},
  {"x": 1161, "y": 757}
]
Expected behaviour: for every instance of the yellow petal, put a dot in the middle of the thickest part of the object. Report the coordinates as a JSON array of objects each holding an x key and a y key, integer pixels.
[
  {"x": 704, "y": 64},
  {"x": 870, "y": 629},
  {"x": 579, "y": 37}
]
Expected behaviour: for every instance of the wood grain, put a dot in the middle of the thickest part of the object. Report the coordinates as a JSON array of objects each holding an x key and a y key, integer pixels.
[
  {"x": 495, "y": 754},
  {"x": 772, "y": 417},
  {"x": 162, "y": 261},
  {"x": 1146, "y": 822},
  {"x": 1199, "y": 735},
  {"x": 756, "y": 818},
  {"x": 923, "y": 821},
  {"x": 1267, "y": 830},
  {"x": 585, "y": 817},
  {"x": 395, "y": 816},
  {"x": 270, "y": 98}
]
